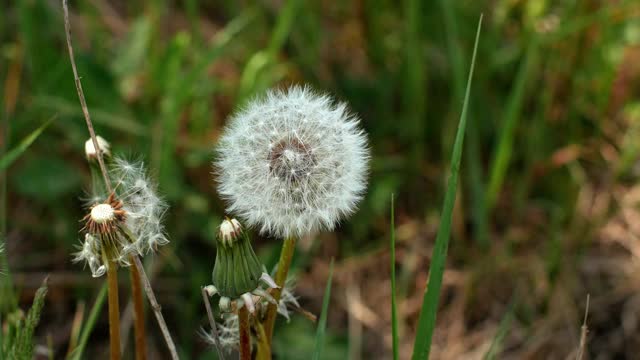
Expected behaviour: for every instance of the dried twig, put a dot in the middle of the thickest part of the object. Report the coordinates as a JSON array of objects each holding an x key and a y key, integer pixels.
[
  {"x": 583, "y": 333},
  {"x": 212, "y": 323},
  {"x": 83, "y": 103},
  {"x": 157, "y": 309}
]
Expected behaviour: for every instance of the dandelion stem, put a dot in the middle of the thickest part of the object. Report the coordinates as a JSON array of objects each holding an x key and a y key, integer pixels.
[
  {"x": 245, "y": 336},
  {"x": 286, "y": 255},
  {"x": 138, "y": 314},
  {"x": 114, "y": 310},
  {"x": 157, "y": 310}
]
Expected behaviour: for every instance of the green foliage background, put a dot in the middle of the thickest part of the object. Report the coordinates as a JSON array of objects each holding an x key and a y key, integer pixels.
[{"x": 554, "y": 112}]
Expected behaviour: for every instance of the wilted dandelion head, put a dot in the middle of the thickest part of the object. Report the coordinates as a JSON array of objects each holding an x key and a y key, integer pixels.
[
  {"x": 292, "y": 162},
  {"x": 128, "y": 221}
]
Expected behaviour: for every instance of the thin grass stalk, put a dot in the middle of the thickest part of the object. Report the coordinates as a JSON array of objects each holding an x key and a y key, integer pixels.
[
  {"x": 83, "y": 103},
  {"x": 212, "y": 322},
  {"x": 114, "y": 310},
  {"x": 286, "y": 255},
  {"x": 157, "y": 309},
  {"x": 138, "y": 315},
  {"x": 245, "y": 333}
]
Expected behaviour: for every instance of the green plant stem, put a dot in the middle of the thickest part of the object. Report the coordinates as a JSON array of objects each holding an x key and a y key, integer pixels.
[
  {"x": 286, "y": 255},
  {"x": 114, "y": 310},
  {"x": 245, "y": 335},
  {"x": 264, "y": 349},
  {"x": 138, "y": 314}
]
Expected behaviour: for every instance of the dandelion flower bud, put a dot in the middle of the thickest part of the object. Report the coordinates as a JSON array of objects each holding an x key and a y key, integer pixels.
[
  {"x": 292, "y": 163},
  {"x": 90, "y": 150},
  {"x": 237, "y": 274}
]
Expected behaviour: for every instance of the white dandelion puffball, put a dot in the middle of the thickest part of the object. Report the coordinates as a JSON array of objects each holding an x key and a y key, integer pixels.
[{"x": 292, "y": 162}]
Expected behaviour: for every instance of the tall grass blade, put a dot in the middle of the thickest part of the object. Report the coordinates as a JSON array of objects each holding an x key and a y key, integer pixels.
[
  {"x": 472, "y": 155},
  {"x": 427, "y": 319},
  {"x": 15, "y": 153},
  {"x": 504, "y": 149},
  {"x": 76, "y": 354},
  {"x": 394, "y": 306},
  {"x": 322, "y": 323},
  {"x": 503, "y": 329}
]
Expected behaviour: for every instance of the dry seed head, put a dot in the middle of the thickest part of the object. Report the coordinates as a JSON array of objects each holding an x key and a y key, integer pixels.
[{"x": 105, "y": 219}]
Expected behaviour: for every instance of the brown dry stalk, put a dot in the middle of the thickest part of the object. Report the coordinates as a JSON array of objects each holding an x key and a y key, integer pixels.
[
  {"x": 157, "y": 309},
  {"x": 583, "y": 333},
  {"x": 83, "y": 103},
  {"x": 286, "y": 255},
  {"x": 114, "y": 310},
  {"x": 138, "y": 314},
  {"x": 212, "y": 323},
  {"x": 245, "y": 333}
]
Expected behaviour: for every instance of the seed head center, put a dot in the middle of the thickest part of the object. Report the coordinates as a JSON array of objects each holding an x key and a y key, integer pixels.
[
  {"x": 290, "y": 159},
  {"x": 102, "y": 213}
]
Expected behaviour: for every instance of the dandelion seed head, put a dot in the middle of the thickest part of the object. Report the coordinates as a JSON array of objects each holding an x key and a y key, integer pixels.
[{"x": 292, "y": 162}]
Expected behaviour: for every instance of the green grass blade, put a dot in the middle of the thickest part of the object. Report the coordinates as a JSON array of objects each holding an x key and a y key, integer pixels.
[
  {"x": 76, "y": 354},
  {"x": 394, "y": 307},
  {"x": 503, "y": 328},
  {"x": 502, "y": 156},
  {"x": 23, "y": 348},
  {"x": 322, "y": 323},
  {"x": 473, "y": 153},
  {"x": 15, "y": 153},
  {"x": 427, "y": 319}
]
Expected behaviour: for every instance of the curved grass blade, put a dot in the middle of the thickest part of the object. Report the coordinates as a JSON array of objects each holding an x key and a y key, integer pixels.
[
  {"x": 427, "y": 319},
  {"x": 15, "y": 153},
  {"x": 322, "y": 323},
  {"x": 76, "y": 354}
]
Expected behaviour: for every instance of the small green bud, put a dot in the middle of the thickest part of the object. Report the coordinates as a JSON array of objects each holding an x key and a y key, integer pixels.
[{"x": 237, "y": 269}]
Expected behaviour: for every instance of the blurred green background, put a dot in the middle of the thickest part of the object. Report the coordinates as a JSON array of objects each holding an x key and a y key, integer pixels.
[{"x": 548, "y": 204}]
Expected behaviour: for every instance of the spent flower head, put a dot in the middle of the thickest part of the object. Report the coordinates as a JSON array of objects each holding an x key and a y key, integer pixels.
[
  {"x": 128, "y": 221},
  {"x": 292, "y": 162}
]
